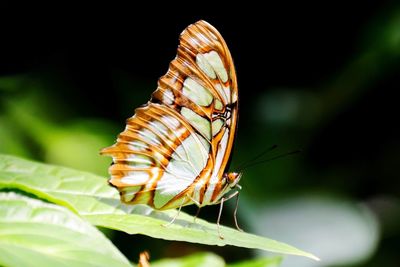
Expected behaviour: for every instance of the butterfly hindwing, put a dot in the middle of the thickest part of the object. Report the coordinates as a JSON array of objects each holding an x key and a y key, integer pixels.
[{"x": 175, "y": 149}]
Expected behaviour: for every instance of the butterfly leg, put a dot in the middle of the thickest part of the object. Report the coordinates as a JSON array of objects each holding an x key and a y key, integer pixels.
[
  {"x": 235, "y": 212},
  {"x": 197, "y": 214},
  {"x": 176, "y": 215},
  {"x": 219, "y": 217},
  {"x": 198, "y": 205}
]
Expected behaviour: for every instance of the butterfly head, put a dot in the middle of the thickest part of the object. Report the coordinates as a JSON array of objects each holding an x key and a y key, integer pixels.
[{"x": 233, "y": 179}]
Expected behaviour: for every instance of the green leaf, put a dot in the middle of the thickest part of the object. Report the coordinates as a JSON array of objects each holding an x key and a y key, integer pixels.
[
  {"x": 203, "y": 259},
  {"x": 91, "y": 197},
  {"x": 36, "y": 233},
  {"x": 261, "y": 262}
]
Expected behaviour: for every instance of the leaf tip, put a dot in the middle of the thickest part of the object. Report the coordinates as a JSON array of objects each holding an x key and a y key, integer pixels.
[{"x": 312, "y": 256}]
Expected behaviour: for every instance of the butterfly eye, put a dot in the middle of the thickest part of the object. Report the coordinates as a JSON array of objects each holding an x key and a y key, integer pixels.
[{"x": 233, "y": 178}]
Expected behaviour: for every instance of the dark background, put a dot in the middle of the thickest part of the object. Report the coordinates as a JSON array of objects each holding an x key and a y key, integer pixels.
[{"x": 322, "y": 78}]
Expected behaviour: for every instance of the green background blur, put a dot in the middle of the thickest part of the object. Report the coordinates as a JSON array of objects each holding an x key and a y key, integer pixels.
[{"x": 322, "y": 78}]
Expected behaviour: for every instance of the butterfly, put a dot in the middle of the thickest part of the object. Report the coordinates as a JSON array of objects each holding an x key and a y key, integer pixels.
[{"x": 175, "y": 149}]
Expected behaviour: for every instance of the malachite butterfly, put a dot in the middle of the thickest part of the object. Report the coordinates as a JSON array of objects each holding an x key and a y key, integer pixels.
[{"x": 175, "y": 150}]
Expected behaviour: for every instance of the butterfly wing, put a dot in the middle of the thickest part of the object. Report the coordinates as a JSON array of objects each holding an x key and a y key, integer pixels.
[{"x": 175, "y": 149}]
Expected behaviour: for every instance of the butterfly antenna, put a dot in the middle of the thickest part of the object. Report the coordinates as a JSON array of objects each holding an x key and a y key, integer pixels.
[
  {"x": 257, "y": 156},
  {"x": 270, "y": 159}
]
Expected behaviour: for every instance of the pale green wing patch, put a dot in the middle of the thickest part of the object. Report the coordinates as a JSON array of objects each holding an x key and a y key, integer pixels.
[
  {"x": 185, "y": 165},
  {"x": 203, "y": 64},
  {"x": 216, "y": 62},
  {"x": 198, "y": 122},
  {"x": 216, "y": 126},
  {"x": 197, "y": 93}
]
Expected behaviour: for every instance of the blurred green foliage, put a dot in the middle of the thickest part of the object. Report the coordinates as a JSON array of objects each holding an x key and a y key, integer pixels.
[{"x": 35, "y": 126}]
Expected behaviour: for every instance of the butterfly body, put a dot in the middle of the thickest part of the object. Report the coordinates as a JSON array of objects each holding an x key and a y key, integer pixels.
[{"x": 174, "y": 151}]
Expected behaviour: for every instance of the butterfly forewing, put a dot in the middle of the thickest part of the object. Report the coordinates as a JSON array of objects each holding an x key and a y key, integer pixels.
[{"x": 174, "y": 150}]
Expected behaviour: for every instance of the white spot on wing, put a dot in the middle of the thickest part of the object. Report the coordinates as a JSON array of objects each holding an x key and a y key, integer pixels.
[
  {"x": 149, "y": 137},
  {"x": 138, "y": 160},
  {"x": 159, "y": 128},
  {"x": 234, "y": 97},
  {"x": 221, "y": 152},
  {"x": 168, "y": 97},
  {"x": 228, "y": 93},
  {"x": 222, "y": 93},
  {"x": 136, "y": 178},
  {"x": 172, "y": 122},
  {"x": 214, "y": 178},
  {"x": 202, "y": 37},
  {"x": 137, "y": 145}
]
